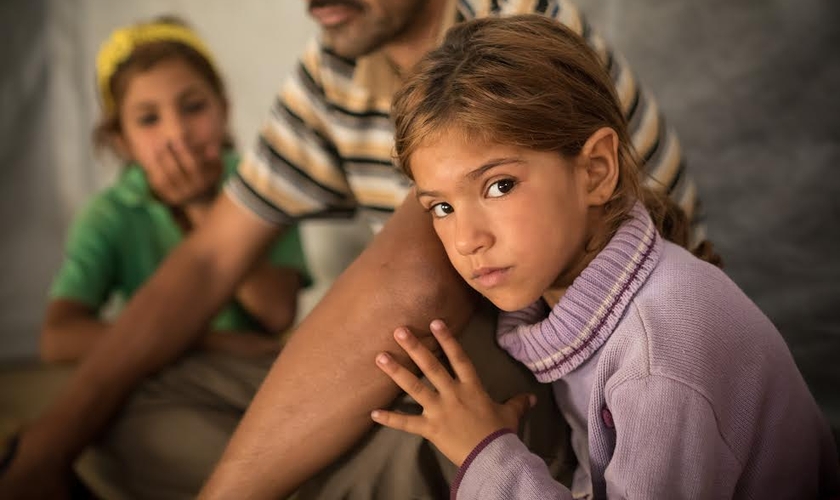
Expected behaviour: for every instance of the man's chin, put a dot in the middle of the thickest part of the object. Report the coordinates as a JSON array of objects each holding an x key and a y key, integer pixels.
[{"x": 345, "y": 45}]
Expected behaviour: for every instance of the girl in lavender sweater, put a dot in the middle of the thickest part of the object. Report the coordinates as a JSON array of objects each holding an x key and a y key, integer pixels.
[{"x": 674, "y": 383}]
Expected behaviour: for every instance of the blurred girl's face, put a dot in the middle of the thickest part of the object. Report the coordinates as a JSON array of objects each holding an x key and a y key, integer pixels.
[
  {"x": 168, "y": 106},
  {"x": 514, "y": 222}
]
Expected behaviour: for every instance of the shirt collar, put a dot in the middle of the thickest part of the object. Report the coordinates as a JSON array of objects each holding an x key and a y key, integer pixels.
[{"x": 132, "y": 187}]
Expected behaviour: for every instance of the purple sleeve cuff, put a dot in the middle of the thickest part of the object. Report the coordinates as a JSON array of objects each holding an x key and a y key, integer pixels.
[{"x": 453, "y": 490}]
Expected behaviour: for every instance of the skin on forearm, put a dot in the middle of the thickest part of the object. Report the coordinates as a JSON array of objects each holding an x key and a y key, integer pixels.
[
  {"x": 268, "y": 292},
  {"x": 70, "y": 331},
  {"x": 161, "y": 321},
  {"x": 316, "y": 400}
]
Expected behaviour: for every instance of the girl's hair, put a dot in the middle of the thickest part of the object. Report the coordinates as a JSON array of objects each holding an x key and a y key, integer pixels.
[
  {"x": 138, "y": 48},
  {"x": 527, "y": 81}
]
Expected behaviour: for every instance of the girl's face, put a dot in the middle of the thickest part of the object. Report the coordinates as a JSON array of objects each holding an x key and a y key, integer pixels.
[
  {"x": 170, "y": 104},
  {"x": 514, "y": 221}
]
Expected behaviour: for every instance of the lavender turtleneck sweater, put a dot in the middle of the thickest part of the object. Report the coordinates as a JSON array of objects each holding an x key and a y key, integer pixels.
[{"x": 693, "y": 392}]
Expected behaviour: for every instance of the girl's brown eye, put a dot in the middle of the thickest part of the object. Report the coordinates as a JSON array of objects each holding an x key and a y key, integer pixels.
[
  {"x": 441, "y": 210},
  {"x": 500, "y": 188},
  {"x": 194, "y": 106},
  {"x": 147, "y": 119}
]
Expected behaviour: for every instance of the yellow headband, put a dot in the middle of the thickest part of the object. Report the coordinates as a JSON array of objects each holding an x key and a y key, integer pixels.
[{"x": 122, "y": 43}]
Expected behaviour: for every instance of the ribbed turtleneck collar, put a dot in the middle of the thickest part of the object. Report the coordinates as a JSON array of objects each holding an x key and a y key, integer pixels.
[{"x": 553, "y": 343}]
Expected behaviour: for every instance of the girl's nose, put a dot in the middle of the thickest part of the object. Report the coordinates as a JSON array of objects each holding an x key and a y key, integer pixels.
[
  {"x": 471, "y": 235},
  {"x": 176, "y": 129}
]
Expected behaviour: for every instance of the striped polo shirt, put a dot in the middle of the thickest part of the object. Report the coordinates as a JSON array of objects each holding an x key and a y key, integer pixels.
[{"x": 326, "y": 148}]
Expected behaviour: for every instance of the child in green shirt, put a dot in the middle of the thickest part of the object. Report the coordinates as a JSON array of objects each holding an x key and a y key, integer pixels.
[{"x": 165, "y": 113}]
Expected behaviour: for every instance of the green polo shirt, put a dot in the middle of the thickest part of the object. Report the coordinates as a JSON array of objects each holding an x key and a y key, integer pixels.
[{"x": 121, "y": 237}]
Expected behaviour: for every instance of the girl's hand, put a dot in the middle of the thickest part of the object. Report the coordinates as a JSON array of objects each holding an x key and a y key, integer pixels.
[
  {"x": 457, "y": 413},
  {"x": 181, "y": 177}
]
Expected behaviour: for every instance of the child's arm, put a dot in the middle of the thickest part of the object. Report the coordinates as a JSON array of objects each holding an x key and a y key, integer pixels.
[
  {"x": 474, "y": 432},
  {"x": 84, "y": 283},
  {"x": 269, "y": 293},
  {"x": 70, "y": 331},
  {"x": 670, "y": 444},
  {"x": 159, "y": 323}
]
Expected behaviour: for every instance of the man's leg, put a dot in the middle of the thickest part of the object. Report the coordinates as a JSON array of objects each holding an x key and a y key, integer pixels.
[
  {"x": 167, "y": 439},
  {"x": 390, "y": 464}
]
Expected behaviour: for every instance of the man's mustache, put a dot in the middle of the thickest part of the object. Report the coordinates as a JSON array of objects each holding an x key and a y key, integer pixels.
[{"x": 314, "y": 4}]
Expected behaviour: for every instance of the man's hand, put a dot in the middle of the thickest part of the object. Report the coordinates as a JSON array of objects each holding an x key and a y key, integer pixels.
[
  {"x": 457, "y": 413},
  {"x": 32, "y": 474}
]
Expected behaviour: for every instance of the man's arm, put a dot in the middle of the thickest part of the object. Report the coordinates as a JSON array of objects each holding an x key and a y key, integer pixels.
[
  {"x": 316, "y": 401},
  {"x": 161, "y": 321}
]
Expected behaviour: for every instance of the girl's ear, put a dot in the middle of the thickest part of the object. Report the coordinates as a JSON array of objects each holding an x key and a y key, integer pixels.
[{"x": 600, "y": 159}]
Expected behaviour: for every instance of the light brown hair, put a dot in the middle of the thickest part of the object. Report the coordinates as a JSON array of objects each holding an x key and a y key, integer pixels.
[{"x": 528, "y": 81}]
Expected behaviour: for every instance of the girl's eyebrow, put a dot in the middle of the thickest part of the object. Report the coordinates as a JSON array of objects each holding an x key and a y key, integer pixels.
[
  {"x": 430, "y": 194},
  {"x": 475, "y": 174},
  {"x": 189, "y": 90},
  {"x": 144, "y": 105},
  {"x": 496, "y": 162}
]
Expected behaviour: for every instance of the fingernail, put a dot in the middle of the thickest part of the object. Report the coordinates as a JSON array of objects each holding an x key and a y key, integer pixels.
[
  {"x": 401, "y": 333},
  {"x": 532, "y": 400},
  {"x": 375, "y": 414},
  {"x": 382, "y": 359},
  {"x": 437, "y": 324}
]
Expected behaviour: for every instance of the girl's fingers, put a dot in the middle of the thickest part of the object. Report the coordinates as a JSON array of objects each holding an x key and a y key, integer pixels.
[
  {"x": 519, "y": 405},
  {"x": 170, "y": 174},
  {"x": 461, "y": 364},
  {"x": 428, "y": 363},
  {"x": 203, "y": 169},
  {"x": 406, "y": 380},
  {"x": 399, "y": 421},
  {"x": 185, "y": 162},
  {"x": 213, "y": 153}
]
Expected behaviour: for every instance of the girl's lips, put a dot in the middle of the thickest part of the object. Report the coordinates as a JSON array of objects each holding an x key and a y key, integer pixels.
[
  {"x": 490, "y": 277},
  {"x": 332, "y": 15}
]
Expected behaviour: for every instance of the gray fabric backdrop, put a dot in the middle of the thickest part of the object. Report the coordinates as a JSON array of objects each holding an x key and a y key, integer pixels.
[{"x": 750, "y": 85}]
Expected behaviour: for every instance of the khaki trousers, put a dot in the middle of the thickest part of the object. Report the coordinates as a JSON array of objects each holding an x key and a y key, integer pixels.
[{"x": 167, "y": 439}]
